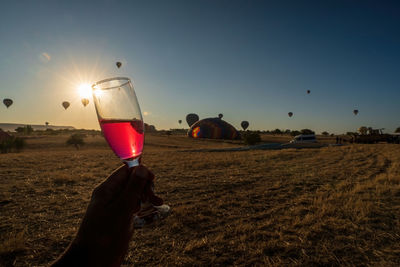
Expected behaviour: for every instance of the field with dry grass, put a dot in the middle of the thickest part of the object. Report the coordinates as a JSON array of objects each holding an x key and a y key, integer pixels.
[{"x": 328, "y": 206}]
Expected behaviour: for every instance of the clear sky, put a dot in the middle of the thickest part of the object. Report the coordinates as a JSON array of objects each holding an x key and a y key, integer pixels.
[{"x": 250, "y": 60}]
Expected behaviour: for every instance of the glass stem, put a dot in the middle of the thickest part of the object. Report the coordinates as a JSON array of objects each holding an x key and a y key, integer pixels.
[{"x": 132, "y": 162}]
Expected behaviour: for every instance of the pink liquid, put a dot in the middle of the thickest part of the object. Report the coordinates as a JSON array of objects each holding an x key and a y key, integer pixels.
[{"x": 124, "y": 137}]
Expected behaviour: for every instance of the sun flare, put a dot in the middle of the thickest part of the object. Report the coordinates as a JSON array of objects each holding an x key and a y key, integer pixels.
[{"x": 85, "y": 91}]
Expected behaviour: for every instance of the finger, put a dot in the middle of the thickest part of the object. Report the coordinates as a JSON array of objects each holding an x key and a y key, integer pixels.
[
  {"x": 153, "y": 199},
  {"x": 131, "y": 195}
]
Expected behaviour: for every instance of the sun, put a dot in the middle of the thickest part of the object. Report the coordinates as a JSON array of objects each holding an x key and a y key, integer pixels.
[{"x": 85, "y": 91}]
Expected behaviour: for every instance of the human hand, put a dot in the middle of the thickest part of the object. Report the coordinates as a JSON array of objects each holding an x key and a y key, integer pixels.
[{"x": 106, "y": 229}]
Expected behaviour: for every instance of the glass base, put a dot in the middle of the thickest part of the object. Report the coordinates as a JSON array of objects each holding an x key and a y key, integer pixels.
[{"x": 132, "y": 162}]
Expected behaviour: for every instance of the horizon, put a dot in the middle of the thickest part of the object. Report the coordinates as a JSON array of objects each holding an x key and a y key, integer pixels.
[{"x": 250, "y": 61}]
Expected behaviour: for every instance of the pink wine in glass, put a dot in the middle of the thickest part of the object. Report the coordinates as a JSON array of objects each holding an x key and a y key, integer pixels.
[{"x": 125, "y": 137}]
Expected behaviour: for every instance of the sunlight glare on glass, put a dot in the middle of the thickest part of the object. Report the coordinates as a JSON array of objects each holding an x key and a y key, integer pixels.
[
  {"x": 85, "y": 91},
  {"x": 97, "y": 92}
]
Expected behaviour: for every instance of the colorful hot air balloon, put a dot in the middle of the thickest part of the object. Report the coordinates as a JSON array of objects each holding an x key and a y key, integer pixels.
[
  {"x": 308, "y": 92},
  {"x": 65, "y": 104},
  {"x": 191, "y": 118},
  {"x": 355, "y": 111},
  {"x": 85, "y": 101},
  {"x": 8, "y": 102},
  {"x": 180, "y": 121},
  {"x": 290, "y": 114},
  {"x": 244, "y": 125},
  {"x": 213, "y": 128},
  {"x": 119, "y": 64},
  {"x": 220, "y": 115}
]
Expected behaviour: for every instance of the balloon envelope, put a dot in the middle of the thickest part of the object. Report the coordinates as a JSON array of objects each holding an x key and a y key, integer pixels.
[
  {"x": 244, "y": 125},
  {"x": 85, "y": 101},
  {"x": 308, "y": 91},
  {"x": 191, "y": 119},
  {"x": 355, "y": 111},
  {"x": 8, "y": 102},
  {"x": 119, "y": 64},
  {"x": 220, "y": 115},
  {"x": 213, "y": 128},
  {"x": 180, "y": 121},
  {"x": 290, "y": 114},
  {"x": 65, "y": 104}
]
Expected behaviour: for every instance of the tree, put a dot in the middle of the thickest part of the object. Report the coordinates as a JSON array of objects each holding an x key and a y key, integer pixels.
[
  {"x": 307, "y": 131},
  {"x": 25, "y": 130},
  {"x": 295, "y": 132},
  {"x": 276, "y": 131},
  {"x": 325, "y": 133},
  {"x": 76, "y": 140},
  {"x": 397, "y": 130},
  {"x": 363, "y": 130}
]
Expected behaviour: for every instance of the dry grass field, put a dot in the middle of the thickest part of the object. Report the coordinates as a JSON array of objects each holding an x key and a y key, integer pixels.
[{"x": 297, "y": 207}]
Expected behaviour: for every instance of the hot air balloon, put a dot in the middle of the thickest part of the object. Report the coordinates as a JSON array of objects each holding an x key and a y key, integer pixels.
[
  {"x": 220, "y": 115},
  {"x": 290, "y": 114},
  {"x": 8, "y": 102},
  {"x": 47, "y": 123},
  {"x": 308, "y": 92},
  {"x": 191, "y": 118},
  {"x": 213, "y": 128},
  {"x": 180, "y": 121},
  {"x": 65, "y": 104},
  {"x": 355, "y": 111},
  {"x": 85, "y": 101},
  {"x": 119, "y": 64},
  {"x": 244, "y": 125}
]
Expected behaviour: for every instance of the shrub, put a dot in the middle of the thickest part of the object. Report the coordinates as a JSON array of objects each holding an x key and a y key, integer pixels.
[
  {"x": 19, "y": 143},
  {"x": 397, "y": 130},
  {"x": 307, "y": 131},
  {"x": 251, "y": 138},
  {"x": 325, "y": 133},
  {"x": 16, "y": 143},
  {"x": 76, "y": 140}
]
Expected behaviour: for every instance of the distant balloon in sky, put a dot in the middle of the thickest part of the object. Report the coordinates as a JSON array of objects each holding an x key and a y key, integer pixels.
[
  {"x": 119, "y": 64},
  {"x": 65, "y": 104},
  {"x": 355, "y": 111},
  {"x": 47, "y": 123},
  {"x": 308, "y": 92},
  {"x": 220, "y": 115},
  {"x": 191, "y": 118},
  {"x": 244, "y": 125},
  {"x": 85, "y": 101},
  {"x": 290, "y": 114},
  {"x": 180, "y": 121},
  {"x": 8, "y": 102}
]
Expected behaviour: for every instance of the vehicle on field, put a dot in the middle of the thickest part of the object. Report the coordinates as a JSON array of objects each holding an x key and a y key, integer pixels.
[{"x": 304, "y": 138}]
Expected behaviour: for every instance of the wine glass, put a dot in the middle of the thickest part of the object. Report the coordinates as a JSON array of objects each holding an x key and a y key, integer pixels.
[{"x": 120, "y": 118}]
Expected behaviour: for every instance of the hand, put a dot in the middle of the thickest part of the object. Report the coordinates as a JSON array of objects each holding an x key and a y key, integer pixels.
[{"x": 104, "y": 235}]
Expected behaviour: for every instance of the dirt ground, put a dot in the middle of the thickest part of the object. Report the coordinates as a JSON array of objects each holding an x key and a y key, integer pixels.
[{"x": 326, "y": 206}]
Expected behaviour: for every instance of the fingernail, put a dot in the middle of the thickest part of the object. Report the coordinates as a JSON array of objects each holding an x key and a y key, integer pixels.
[{"x": 141, "y": 172}]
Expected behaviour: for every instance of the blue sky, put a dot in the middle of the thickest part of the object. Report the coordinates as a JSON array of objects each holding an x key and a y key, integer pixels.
[{"x": 250, "y": 60}]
